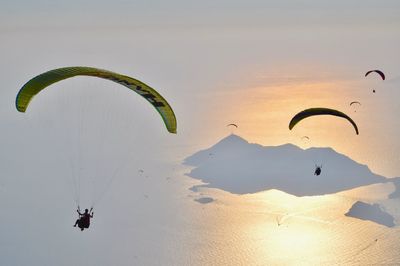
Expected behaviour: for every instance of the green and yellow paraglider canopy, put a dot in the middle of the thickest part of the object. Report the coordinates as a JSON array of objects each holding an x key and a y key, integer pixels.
[
  {"x": 38, "y": 83},
  {"x": 320, "y": 111}
]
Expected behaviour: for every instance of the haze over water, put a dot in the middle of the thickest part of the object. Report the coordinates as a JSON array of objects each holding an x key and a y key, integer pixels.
[{"x": 253, "y": 63}]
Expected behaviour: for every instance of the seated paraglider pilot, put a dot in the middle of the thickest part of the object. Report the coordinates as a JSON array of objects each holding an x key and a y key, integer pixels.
[
  {"x": 84, "y": 218},
  {"x": 317, "y": 170}
]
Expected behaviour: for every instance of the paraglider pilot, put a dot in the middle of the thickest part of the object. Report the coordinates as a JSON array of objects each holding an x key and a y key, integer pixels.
[
  {"x": 84, "y": 218},
  {"x": 317, "y": 170}
]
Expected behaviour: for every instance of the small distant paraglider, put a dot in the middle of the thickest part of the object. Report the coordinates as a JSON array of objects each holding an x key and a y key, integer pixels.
[
  {"x": 305, "y": 138},
  {"x": 232, "y": 125},
  {"x": 355, "y": 105},
  {"x": 380, "y": 73}
]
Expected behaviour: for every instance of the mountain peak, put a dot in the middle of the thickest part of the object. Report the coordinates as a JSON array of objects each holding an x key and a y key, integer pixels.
[{"x": 232, "y": 139}]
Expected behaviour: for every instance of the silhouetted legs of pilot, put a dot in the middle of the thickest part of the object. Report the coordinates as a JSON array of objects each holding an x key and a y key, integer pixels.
[{"x": 81, "y": 224}]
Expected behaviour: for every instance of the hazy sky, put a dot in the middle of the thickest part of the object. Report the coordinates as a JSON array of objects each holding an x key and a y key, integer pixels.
[
  {"x": 259, "y": 14},
  {"x": 218, "y": 56},
  {"x": 255, "y": 63}
]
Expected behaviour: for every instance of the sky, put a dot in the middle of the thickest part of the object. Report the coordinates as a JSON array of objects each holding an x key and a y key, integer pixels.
[
  {"x": 252, "y": 51},
  {"x": 253, "y": 63}
]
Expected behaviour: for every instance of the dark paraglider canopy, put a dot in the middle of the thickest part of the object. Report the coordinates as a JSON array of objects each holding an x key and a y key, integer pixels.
[
  {"x": 376, "y": 71},
  {"x": 355, "y": 103},
  {"x": 320, "y": 111},
  {"x": 233, "y": 125}
]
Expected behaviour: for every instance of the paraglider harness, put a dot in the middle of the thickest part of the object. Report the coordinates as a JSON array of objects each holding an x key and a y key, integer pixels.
[
  {"x": 84, "y": 218},
  {"x": 318, "y": 170}
]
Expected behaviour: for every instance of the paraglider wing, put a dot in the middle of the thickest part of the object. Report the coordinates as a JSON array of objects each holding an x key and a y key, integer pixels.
[
  {"x": 320, "y": 111},
  {"x": 234, "y": 125},
  {"x": 305, "y": 137},
  {"x": 355, "y": 103},
  {"x": 376, "y": 71},
  {"x": 38, "y": 83}
]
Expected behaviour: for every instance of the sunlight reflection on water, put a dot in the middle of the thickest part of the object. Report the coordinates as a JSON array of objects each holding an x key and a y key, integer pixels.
[{"x": 244, "y": 230}]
